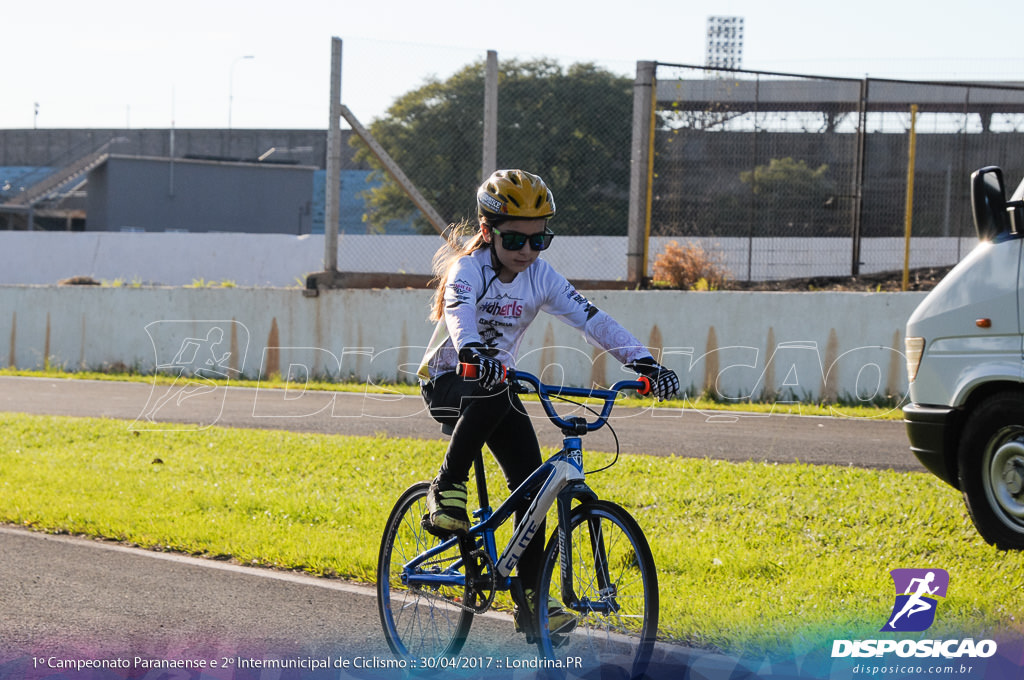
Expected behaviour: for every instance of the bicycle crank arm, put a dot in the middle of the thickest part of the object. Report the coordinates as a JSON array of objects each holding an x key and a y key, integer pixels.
[{"x": 433, "y": 581}]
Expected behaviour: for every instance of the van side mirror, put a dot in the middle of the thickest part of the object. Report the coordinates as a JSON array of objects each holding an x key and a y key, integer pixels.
[{"x": 988, "y": 201}]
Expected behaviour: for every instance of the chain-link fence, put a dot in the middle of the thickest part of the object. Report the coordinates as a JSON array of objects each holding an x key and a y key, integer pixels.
[
  {"x": 775, "y": 175},
  {"x": 788, "y": 175}
]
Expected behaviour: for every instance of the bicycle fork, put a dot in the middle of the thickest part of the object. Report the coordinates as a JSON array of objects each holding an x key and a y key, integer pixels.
[
  {"x": 577, "y": 490},
  {"x": 607, "y": 604}
]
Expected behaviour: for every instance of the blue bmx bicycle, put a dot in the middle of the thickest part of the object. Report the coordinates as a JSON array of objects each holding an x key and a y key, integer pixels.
[{"x": 597, "y": 563}]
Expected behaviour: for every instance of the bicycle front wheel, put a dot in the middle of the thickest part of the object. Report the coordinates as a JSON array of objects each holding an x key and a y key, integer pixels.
[
  {"x": 418, "y": 621},
  {"x": 616, "y": 587}
]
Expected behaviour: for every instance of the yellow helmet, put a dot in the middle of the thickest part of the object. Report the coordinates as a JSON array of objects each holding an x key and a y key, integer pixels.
[{"x": 515, "y": 194}]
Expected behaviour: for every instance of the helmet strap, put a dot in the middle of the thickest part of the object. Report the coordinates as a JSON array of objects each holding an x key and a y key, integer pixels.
[{"x": 495, "y": 262}]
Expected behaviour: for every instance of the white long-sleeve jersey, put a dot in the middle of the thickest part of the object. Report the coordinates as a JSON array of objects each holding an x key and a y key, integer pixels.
[{"x": 479, "y": 308}]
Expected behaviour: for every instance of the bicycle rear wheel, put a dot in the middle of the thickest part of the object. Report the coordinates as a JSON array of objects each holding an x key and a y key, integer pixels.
[
  {"x": 418, "y": 621},
  {"x": 614, "y": 579}
]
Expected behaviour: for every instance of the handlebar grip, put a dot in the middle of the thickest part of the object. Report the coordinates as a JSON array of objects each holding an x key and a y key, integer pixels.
[
  {"x": 647, "y": 386},
  {"x": 472, "y": 372}
]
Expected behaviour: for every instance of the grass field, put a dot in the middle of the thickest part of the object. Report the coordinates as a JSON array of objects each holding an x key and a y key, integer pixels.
[{"x": 750, "y": 556}]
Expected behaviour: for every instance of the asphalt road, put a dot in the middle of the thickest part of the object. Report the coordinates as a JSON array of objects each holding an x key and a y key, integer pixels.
[
  {"x": 726, "y": 436},
  {"x": 68, "y": 602},
  {"x": 66, "y": 598}
]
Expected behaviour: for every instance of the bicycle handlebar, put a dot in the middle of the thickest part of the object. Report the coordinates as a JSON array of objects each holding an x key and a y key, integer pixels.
[{"x": 544, "y": 392}]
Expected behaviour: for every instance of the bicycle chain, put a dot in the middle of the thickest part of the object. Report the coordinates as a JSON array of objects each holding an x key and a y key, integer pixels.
[
  {"x": 490, "y": 587},
  {"x": 472, "y": 590}
]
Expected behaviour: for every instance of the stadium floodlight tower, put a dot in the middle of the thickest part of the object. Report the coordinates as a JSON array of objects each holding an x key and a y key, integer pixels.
[{"x": 724, "y": 43}]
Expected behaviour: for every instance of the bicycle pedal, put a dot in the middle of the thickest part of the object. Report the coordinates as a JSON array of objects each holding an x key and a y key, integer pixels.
[
  {"x": 561, "y": 636},
  {"x": 429, "y": 527},
  {"x": 559, "y": 640}
]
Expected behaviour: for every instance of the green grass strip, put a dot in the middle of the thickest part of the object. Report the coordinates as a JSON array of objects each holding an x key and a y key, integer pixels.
[{"x": 751, "y": 556}]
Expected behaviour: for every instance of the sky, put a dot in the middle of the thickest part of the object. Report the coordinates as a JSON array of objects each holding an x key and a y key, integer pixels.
[{"x": 266, "y": 64}]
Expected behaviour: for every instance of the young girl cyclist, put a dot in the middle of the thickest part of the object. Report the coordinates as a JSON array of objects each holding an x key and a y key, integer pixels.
[{"x": 489, "y": 290}]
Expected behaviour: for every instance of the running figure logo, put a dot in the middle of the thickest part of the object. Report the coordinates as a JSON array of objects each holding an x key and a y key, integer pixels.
[
  {"x": 917, "y": 591},
  {"x": 203, "y": 357}
]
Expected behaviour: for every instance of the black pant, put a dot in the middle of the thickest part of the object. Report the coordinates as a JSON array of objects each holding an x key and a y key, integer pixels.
[{"x": 496, "y": 418}]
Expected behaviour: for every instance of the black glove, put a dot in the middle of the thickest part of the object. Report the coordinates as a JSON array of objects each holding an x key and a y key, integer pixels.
[
  {"x": 489, "y": 371},
  {"x": 664, "y": 381}
]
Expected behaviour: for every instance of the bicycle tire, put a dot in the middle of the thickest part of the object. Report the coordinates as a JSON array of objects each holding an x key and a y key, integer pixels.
[
  {"x": 418, "y": 622},
  {"x": 620, "y": 641}
]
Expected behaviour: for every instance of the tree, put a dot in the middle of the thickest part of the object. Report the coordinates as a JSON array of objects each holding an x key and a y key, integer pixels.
[
  {"x": 785, "y": 177},
  {"x": 571, "y": 126},
  {"x": 793, "y": 198}
]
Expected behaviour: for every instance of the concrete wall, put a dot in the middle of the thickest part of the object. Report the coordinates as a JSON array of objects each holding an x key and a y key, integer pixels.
[
  {"x": 281, "y": 260},
  {"x": 793, "y": 346}
]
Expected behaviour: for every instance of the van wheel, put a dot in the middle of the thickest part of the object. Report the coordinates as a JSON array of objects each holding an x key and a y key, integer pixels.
[{"x": 991, "y": 459}]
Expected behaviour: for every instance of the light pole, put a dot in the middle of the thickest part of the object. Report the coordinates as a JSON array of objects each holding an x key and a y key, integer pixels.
[{"x": 231, "y": 85}]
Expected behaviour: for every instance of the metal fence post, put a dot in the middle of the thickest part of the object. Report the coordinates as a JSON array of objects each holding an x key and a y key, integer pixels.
[
  {"x": 858, "y": 179},
  {"x": 333, "y": 175},
  {"x": 644, "y": 99},
  {"x": 753, "y": 205},
  {"x": 490, "y": 159},
  {"x": 330, "y": 277},
  {"x": 909, "y": 213}
]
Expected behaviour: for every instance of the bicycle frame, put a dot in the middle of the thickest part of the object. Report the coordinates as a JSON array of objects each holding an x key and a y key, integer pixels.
[
  {"x": 559, "y": 480},
  {"x": 543, "y": 487}
]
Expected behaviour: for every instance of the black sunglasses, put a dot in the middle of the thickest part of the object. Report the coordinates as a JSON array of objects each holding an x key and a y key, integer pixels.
[{"x": 513, "y": 240}]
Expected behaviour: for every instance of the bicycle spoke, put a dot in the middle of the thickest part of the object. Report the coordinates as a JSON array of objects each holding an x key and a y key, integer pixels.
[
  {"x": 613, "y": 577},
  {"x": 418, "y": 620}
]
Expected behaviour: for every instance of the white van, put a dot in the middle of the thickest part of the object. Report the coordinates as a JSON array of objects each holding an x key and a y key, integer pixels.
[{"x": 965, "y": 364}]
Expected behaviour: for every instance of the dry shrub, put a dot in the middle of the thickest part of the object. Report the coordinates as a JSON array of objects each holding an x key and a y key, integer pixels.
[
  {"x": 690, "y": 267},
  {"x": 79, "y": 281}
]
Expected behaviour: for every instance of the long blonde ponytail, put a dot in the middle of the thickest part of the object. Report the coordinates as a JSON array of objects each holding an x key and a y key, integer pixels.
[{"x": 460, "y": 240}]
